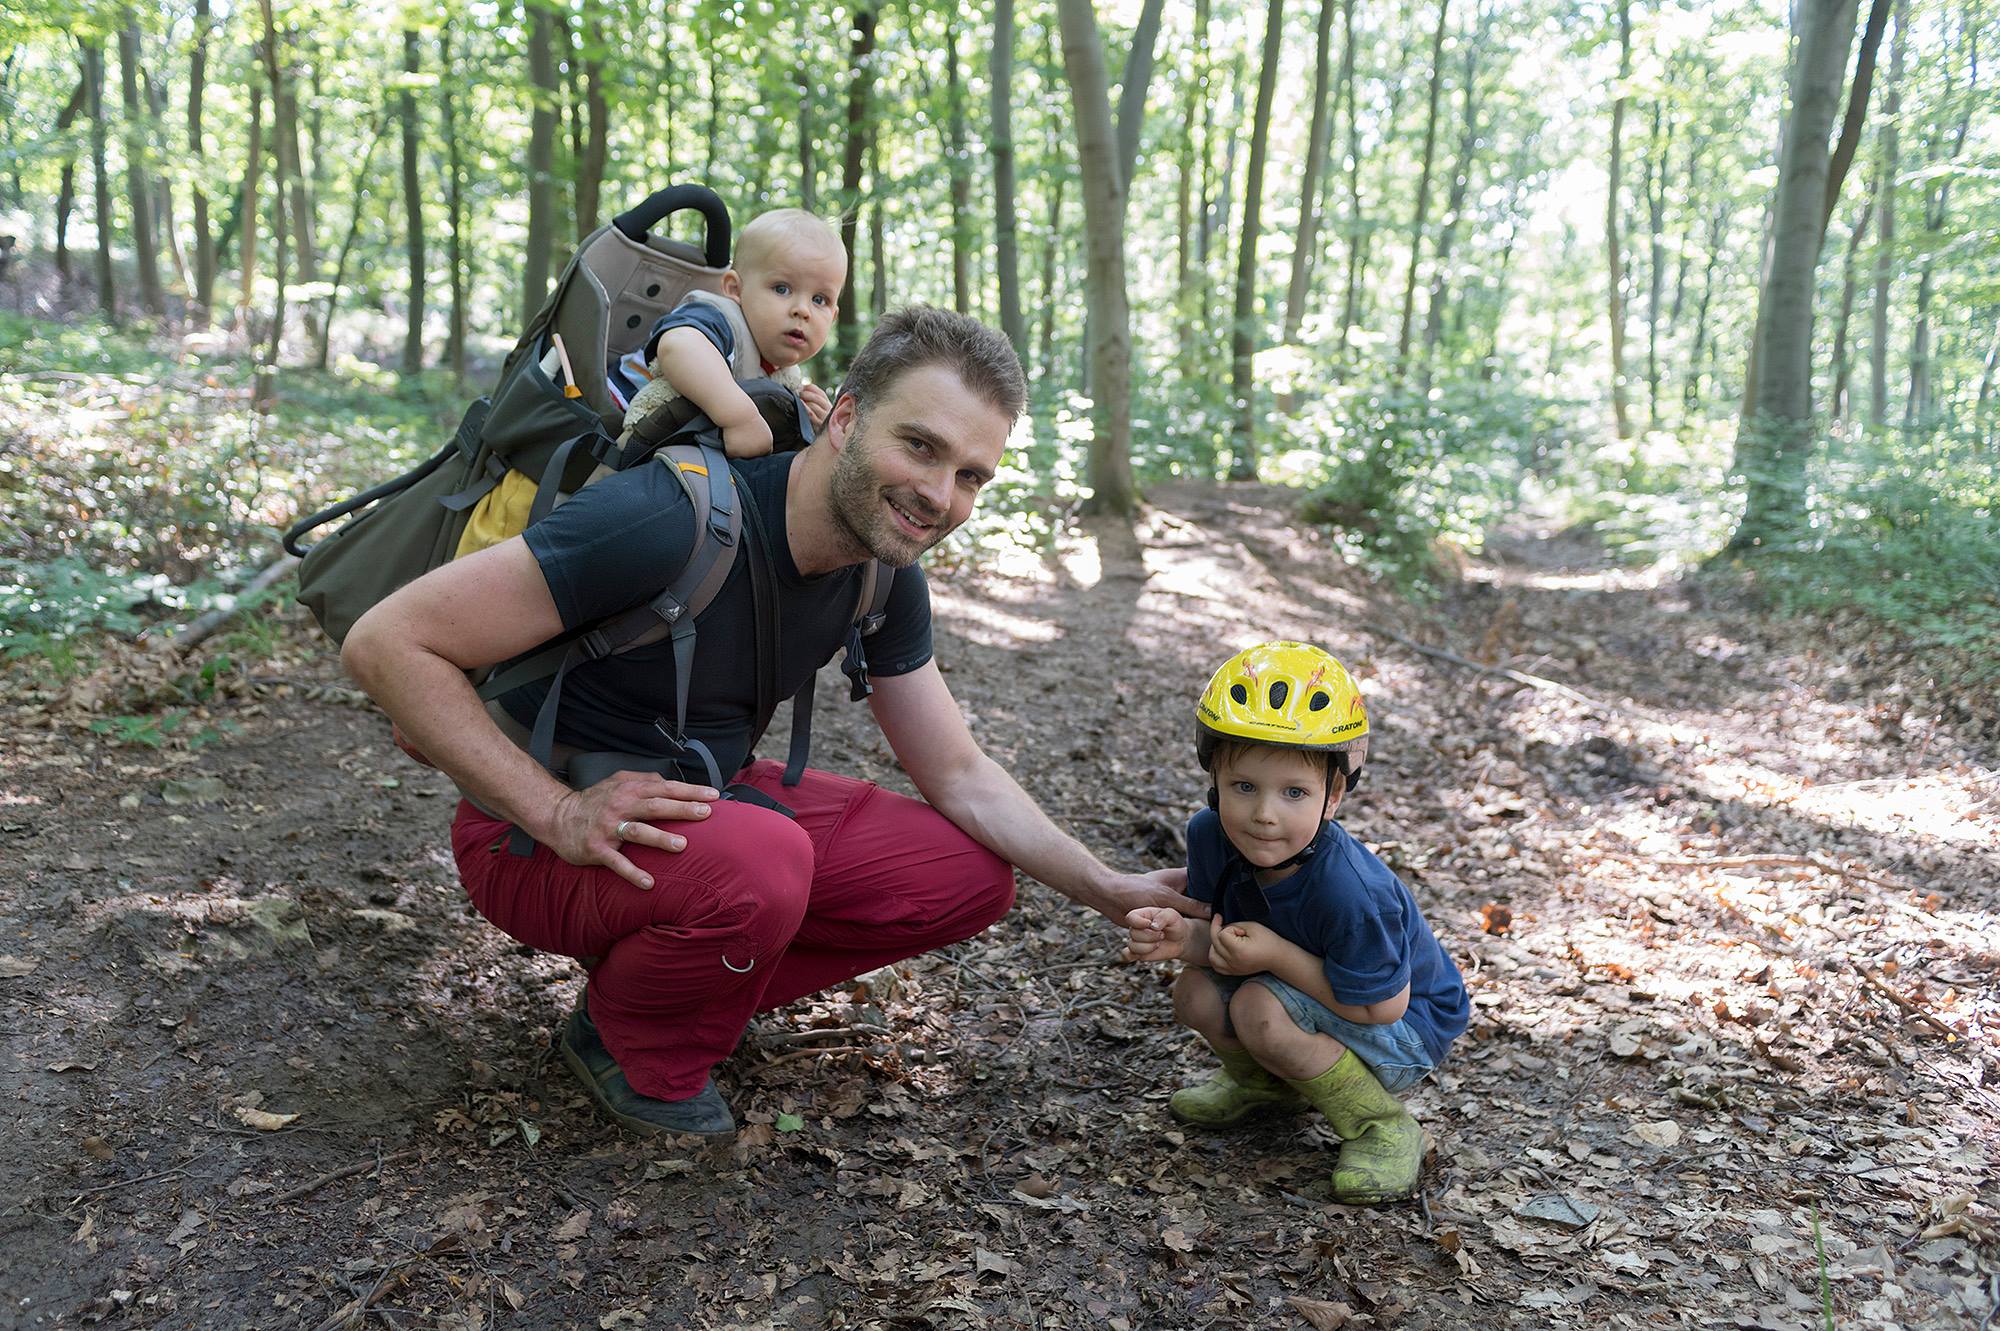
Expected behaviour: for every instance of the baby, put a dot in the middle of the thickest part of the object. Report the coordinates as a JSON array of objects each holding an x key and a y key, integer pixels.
[{"x": 776, "y": 309}]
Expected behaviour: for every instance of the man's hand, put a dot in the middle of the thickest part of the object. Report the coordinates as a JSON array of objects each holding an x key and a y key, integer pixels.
[
  {"x": 818, "y": 405},
  {"x": 1128, "y": 892},
  {"x": 587, "y": 824},
  {"x": 1243, "y": 948},
  {"x": 1158, "y": 933}
]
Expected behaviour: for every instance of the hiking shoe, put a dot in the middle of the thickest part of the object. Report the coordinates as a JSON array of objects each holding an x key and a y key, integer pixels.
[
  {"x": 1381, "y": 1146},
  {"x": 1240, "y": 1089},
  {"x": 583, "y": 1049}
]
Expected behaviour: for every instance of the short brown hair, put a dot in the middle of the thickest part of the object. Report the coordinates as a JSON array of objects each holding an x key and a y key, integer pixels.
[
  {"x": 919, "y": 335},
  {"x": 1231, "y": 750}
]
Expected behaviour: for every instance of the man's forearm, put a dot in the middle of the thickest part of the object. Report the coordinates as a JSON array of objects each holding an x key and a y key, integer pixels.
[
  {"x": 440, "y": 713},
  {"x": 989, "y": 806}
]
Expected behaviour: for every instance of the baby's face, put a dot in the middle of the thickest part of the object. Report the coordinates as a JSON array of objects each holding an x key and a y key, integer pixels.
[
  {"x": 790, "y": 295},
  {"x": 1272, "y": 802}
]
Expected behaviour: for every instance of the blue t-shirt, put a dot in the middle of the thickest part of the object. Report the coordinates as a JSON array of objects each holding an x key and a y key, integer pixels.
[
  {"x": 1349, "y": 909},
  {"x": 617, "y": 543}
]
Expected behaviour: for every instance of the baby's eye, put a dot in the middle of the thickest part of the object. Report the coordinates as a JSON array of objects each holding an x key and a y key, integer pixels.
[
  {"x": 821, "y": 300},
  {"x": 782, "y": 288}
]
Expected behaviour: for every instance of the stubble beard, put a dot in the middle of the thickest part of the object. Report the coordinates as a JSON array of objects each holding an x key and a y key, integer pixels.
[{"x": 855, "y": 496}]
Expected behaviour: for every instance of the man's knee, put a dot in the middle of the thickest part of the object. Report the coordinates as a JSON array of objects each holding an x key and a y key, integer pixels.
[
  {"x": 758, "y": 868},
  {"x": 990, "y": 894}
]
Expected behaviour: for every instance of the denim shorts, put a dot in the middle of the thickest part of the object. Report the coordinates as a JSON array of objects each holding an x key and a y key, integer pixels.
[{"x": 1394, "y": 1051}]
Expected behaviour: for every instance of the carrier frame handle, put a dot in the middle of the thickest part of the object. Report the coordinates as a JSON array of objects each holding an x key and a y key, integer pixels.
[{"x": 662, "y": 204}]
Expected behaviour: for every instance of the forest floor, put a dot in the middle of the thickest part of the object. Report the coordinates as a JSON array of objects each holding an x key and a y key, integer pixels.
[{"x": 1725, "y": 903}]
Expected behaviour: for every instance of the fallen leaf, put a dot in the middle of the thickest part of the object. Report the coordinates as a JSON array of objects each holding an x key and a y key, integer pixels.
[
  {"x": 790, "y": 1123},
  {"x": 13, "y": 968},
  {"x": 575, "y": 1227},
  {"x": 73, "y": 1065},
  {"x": 1663, "y": 1133},
  {"x": 515, "y": 1298},
  {"x": 262, "y": 1120},
  {"x": 1558, "y": 1208},
  {"x": 195, "y": 790},
  {"x": 97, "y": 1148},
  {"x": 1177, "y": 1240},
  {"x": 621, "y": 1317},
  {"x": 1034, "y": 1185},
  {"x": 1325, "y": 1316},
  {"x": 984, "y": 1261},
  {"x": 1495, "y": 918}
]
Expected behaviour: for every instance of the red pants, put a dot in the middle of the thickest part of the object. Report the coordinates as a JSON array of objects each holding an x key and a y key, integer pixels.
[{"x": 758, "y": 910}]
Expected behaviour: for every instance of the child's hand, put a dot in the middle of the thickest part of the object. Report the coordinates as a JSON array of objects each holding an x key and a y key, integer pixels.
[
  {"x": 818, "y": 407},
  {"x": 1158, "y": 933},
  {"x": 1242, "y": 948},
  {"x": 751, "y": 439}
]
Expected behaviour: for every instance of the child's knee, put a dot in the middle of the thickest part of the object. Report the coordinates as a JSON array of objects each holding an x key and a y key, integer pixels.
[
  {"x": 1197, "y": 1001},
  {"x": 1260, "y": 1017}
]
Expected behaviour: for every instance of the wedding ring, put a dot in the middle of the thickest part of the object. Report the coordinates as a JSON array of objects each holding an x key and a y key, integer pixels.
[{"x": 619, "y": 831}]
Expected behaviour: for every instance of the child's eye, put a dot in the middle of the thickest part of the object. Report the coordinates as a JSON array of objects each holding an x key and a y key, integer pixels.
[
  {"x": 1243, "y": 787},
  {"x": 821, "y": 300},
  {"x": 782, "y": 288},
  {"x": 1295, "y": 792}
]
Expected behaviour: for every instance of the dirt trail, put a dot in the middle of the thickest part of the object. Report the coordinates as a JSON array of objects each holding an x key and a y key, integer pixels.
[{"x": 1727, "y": 919}]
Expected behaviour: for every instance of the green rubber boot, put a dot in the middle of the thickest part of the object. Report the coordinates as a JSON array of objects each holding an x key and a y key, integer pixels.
[
  {"x": 1381, "y": 1146},
  {"x": 1241, "y": 1089}
]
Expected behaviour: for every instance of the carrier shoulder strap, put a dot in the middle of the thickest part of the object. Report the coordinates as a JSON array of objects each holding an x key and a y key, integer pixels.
[{"x": 871, "y": 603}]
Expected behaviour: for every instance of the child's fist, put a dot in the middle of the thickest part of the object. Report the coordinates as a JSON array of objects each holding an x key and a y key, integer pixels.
[
  {"x": 1156, "y": 933},
  {"x": 818, "y": 408}
]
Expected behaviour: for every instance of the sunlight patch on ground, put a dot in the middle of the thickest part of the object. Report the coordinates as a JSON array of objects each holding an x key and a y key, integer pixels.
[
  {"x": 1949, "y": 807},
  {"x": 1647, "y": 578},
  {"x": 981, "y": 619}
]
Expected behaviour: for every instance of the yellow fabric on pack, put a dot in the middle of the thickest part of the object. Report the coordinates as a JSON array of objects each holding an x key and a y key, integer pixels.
[{"x": 502, "y": 513}]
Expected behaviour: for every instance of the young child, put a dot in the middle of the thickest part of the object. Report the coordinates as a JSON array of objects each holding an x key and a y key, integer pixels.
[
  {"x": 776, "y": 308},
  {"x": 1317, "y": 979}
]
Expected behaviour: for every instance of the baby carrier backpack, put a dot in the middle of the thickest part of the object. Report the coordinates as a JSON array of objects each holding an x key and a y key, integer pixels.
[{"x": 551, "y": 427}]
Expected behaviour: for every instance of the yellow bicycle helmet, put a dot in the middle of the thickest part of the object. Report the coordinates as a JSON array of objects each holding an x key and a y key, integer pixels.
[{"x": 1290, "y": 695}]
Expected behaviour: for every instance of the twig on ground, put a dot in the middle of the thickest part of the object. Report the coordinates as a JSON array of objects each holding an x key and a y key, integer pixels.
[
  {"x": 333, "y": 1175},
  {"x": 1756, "y": 862},
  {"x": 1915, "y": 1009},
  {"x": 359, "y": 1307},
  {"x": 810, "y": 1053},
  {"x": 783, "y": 1038},
  {"x": 1518, "y": 676},
  {"x": 203, "y": 626}
]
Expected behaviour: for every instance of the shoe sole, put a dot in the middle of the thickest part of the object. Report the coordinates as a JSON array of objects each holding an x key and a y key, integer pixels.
[
  {"x": 1253, "y": 1111},
  {"x": 576, "y": 1065}
]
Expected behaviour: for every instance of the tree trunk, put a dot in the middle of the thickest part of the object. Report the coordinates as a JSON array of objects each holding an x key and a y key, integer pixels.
[
  {"x": 138, "y": 185},
  {"x": 1104, "y": 192},
  {"x": 166, "y": 224},
  {"x": 1885, "y": 228},
  {"x": 66, "y": 193},
  {"x": 1918, "y": 406},
  {"x": 291, "y": 173},
  {"x": 1614, "y": 256},
  {"x": 359, "y": 193},
  {"x": 1690, "y": 194},
  {"x": 413, "y": 220},
  {"x": 1245, "y": 328},
  {"x": 802, "y": 76},
  {"x": 204, "y": 237},
  {"x": 546, "y": 92},
  {"x": 1350, "y": 296},
  {"x": 1006, "y": 238},
  {"x": 1691, "y": 393},
  {"x": 263, "y": 394},
  {"x": 1461, "y": 185},
  {"x": 878, "y": 240},
  {"x": 93, "y": 77},
  {"x": 1849, "y": 276},
  {"x": 1052, "y": 245},
  {"x": 253, "y": 166},
  {"x": 959, "y": 168},
  {"x": 1420, "y": 214},
  {"x": 597, "y": 139},
  {"x": 454, "y": 206},
  {"x": 860, "y": 46},
  {"x": 1660, "y": 148},
  {"x": 1306, "y": 243},
  {"x": 1857, "y": 108},
  {"x": 1773, "y": 443}
]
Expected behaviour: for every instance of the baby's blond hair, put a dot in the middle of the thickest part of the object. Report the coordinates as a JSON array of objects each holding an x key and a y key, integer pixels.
[{"x": 766, "y": 231}]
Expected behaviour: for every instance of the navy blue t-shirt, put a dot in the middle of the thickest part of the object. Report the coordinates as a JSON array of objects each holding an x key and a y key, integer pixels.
[
  {"x": 617, "y": 543},
  {"x": 1349, "y": 909}
]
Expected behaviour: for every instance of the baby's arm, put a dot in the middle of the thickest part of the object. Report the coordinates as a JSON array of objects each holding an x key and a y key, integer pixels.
[{"x": 690, "y": 362}]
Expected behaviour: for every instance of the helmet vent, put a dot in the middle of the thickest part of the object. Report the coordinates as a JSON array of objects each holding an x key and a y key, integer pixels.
[
  {"x": 1278, "y": 691},
  {"x": 1318, "y": 702},
  {"x": 1239, "y": 694}
]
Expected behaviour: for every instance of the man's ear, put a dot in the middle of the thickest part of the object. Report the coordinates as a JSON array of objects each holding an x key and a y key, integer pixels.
[
  {"x": 839, "y": 423},
  {"x": 732, "y": 285}
]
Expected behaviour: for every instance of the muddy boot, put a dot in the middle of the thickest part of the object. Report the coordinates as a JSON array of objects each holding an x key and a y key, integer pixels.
[
  {"x": 1241, "y": 1089},
  {"x": 1381, "y": 1146}
]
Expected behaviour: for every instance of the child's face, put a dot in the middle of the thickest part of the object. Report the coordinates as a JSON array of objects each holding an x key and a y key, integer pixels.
[
  {"x": 1272, "y": 802},
  {"x": 789, "y": 296}
]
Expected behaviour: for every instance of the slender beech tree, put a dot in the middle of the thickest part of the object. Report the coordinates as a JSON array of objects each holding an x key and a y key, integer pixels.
[
  {"x": 1245, "y": 327},
  {"x": 1420, "y": 213},
  {"x": 958, "y": 168},
  {"x": 413, "y": 210},
  {"x": 1849, "y": 280},
  {"x": 93, "y": 77},
  {"x": 253, "y": 169},
  {"x": 1945, "y": 151},
  {"x": 1772, "y": 445},
  {"x": 1885, "y": 227},
  {"x": 861, "y": 65},
  {"x": 1000, "y": 142},
  {"x": 546, "y": 93},
  {"x": 1455, "y": 201},
  {"x": 66, "y": 190},
  {"x": 1305, "y": 244},
  {"x": 139, "y": 187},
  {"x": 597, "y": 136},
  {"x": 204, "y": 236},
  {"x": 357, "y": 216},
  {"x": 1614, "y": 255},
  {"x": 455, "y": 220}
]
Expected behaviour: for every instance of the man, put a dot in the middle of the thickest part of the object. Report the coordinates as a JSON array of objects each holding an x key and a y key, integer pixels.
[{"x": 692, "y": 911}]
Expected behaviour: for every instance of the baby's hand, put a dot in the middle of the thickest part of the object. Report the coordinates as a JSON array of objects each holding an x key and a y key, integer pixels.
[
  {"x": 1157, "y": 933},
  {"x": 752, "y": 439},
  {"x": 818, "y": 408}
]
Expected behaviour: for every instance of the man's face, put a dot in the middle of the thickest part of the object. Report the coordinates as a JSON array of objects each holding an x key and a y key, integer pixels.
[
  {"x": 789, "y": 295},
  {"x": 907, "y": 474}
]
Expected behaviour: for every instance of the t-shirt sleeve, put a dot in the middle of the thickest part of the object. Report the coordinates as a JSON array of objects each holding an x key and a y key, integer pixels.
[
  {"x": 699, "y": 315},
  {"x": 1205, "y": 856},
  {"x": 1362, "y": 945},
  {"x": 590, "y": 546},
  {"x": 903, "y": 643}
]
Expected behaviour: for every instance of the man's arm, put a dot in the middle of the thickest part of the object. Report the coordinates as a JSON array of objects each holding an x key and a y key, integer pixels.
[
  {"x": 925, "y": 729},
  {"x": 410, "y": 652}
]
